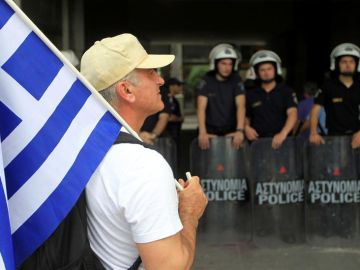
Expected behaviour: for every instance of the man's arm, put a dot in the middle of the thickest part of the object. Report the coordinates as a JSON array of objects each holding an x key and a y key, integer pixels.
[
  {"x": 201, "y": 115},
  {"x": 315, "y": 138},
  {"x": 177, "y": 252},
  {"x": 238, "y": 136},
  {"x": 289, "y": 125},
  {"x": 149, "y": 137},
  {"x": 176, "y": 118},
  {"x": 161, "y": 123},
  {"x": 250, "y": 133}
]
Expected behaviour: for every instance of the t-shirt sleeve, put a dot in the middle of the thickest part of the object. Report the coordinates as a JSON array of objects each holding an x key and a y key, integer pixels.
[
  {"x": 201, "y": 89},
  {"x": 239, "y": 88},
  {"x": 303, "y": 110},
  {"x": 319, "y": 97},
  {"x": 152, "y": 202},
  {"x": 248, "y": 105},
  {"x": 291, "y": 99}
]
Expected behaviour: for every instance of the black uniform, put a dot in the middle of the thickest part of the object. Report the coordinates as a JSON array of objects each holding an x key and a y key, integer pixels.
[
  {"x": 341, "y": 105},
  {"x": 221, "y": 106},
  {"x": 150, "y": 122},
  {"x": 267, "y": 111},
  {"x": 173, "y": 128}
]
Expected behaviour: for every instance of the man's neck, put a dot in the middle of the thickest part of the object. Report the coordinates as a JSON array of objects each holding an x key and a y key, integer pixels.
[
  {"x": 220, "y": 78},
  {"x": 346, "y": 80},
  {"x": 269, "y": 86},
  {"x": 134, "y": 120}
]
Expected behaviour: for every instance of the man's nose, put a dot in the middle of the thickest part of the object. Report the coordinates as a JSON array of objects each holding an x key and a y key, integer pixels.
[{"x": 160, "y": 80}]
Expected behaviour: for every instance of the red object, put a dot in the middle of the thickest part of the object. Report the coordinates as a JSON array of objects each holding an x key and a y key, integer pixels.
[
  {"x": 282, "y": 170},
  {"x": 220, "y": 167},
  {"x": 336, "y": 172}
]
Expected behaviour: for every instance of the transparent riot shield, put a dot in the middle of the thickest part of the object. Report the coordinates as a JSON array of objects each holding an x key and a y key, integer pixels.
[
  {"x": 167, "y": 147},
  {"x": 333, "y": 193},
  {"x": 277, "y": 192},
  {"x": 222, "y": 170}
]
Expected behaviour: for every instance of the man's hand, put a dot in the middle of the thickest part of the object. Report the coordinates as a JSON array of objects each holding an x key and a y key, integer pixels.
[
  {"x": 148, "y": 137},
  {"x": 251, "y": 133},
  {"x": 237, "y": 138},
  {"x": 316, "y": 139},
  {"x": 204, "y": 140},
  {"x": 278, "y": 140},
  {"x": 192, "y": 200},
  {"x": 355, "y": 142}
]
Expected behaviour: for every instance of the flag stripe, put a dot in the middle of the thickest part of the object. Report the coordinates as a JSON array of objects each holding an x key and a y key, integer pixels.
[
  {"x": 31, "y": 73},
  {"x": 6, "y": 13},
  {"x": 76, "y": 178},
  {"x": 6, "y": 247},
  {"x": 8, "y": 120},
  {"x": 14, "y": 32},
  {"x": 30, "y": 159},
  {"x": 40, "y": 185},
  {"x": 40, "y": 110},
  {"x": 6, "y": 251},
  {"x": 2, "y": 264}
]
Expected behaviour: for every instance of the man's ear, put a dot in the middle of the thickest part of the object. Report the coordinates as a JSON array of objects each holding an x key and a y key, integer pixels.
[{"x": 124, "y": 92}]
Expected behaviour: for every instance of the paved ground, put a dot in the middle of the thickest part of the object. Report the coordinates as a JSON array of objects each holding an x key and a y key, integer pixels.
[{"x": 247, "y": 256}]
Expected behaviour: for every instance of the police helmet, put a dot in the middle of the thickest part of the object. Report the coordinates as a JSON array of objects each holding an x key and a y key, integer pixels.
[
  {"x": 344, "y": 49},
  {"x": 224, "y": 51},
  {"x": 263, "y": 56}
]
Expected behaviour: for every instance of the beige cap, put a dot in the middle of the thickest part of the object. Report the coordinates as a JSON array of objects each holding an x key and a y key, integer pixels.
[{"x": 111, "y": 59}]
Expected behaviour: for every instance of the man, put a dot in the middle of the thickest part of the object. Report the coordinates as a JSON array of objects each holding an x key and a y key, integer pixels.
[
  {"x": 133, "y": 207},
  {"x": 302, "y": 127},
  {"x": 340, "y": 96},
  {"x": 271, "y": 106},
  {"x": 174, "y": 87},
  {"x": 221, "y": 100}
]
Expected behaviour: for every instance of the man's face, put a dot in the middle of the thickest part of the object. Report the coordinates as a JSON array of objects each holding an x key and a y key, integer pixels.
[
  {"x": 225, "y": 67},
  {"x": 347, "y": 65},
  {"x": 266, "y": 72},
  {"x": 147, "y": 91}
]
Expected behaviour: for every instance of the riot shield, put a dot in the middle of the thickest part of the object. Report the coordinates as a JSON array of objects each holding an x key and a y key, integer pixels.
[
  {"x": 222, "y": 170},
  {"x": 277, "y": 192},
  {"x": 332, "y": 211},
  {"x": 167, "y": 147}
]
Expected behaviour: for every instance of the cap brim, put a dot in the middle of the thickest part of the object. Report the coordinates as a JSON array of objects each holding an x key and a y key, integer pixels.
[{"x": 156, "y": 61}]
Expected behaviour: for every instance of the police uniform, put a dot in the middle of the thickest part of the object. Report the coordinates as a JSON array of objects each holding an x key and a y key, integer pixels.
[
  {"x": 341, "y": 105},
  {"x": 151, "y": 121},
  {"x": 267, "y": 111},
  {"x": 173, "y": 128},
  {"x": 221, "y": 107}
]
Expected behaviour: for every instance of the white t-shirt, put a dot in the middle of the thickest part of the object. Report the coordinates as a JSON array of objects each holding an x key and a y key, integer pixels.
[{"x": 131, "y": 198}]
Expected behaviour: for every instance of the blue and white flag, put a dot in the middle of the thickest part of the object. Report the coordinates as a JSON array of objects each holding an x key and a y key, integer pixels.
[{"x": 54, "y": 133}]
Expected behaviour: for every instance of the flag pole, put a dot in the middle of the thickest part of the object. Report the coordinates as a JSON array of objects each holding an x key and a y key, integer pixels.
[{"x": 56, "y": 51}]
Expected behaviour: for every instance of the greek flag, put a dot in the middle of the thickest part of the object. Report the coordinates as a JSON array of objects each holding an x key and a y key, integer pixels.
[{"x": 54, "y": 133}]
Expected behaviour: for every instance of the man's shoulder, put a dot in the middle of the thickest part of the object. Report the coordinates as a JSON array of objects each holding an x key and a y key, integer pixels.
[
  {"x": 235, "y": 77},
  {"x": 329, "y": 83},
  {"x": 253, "y": 91},
  {"x": 283, "y": 87}
]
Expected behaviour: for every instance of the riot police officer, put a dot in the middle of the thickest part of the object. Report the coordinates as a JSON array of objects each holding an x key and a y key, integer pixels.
[
  {"x": 340, "y": 96},
  {"x": 221, "y": 100},
  {"x": 271, "y": 107}
]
